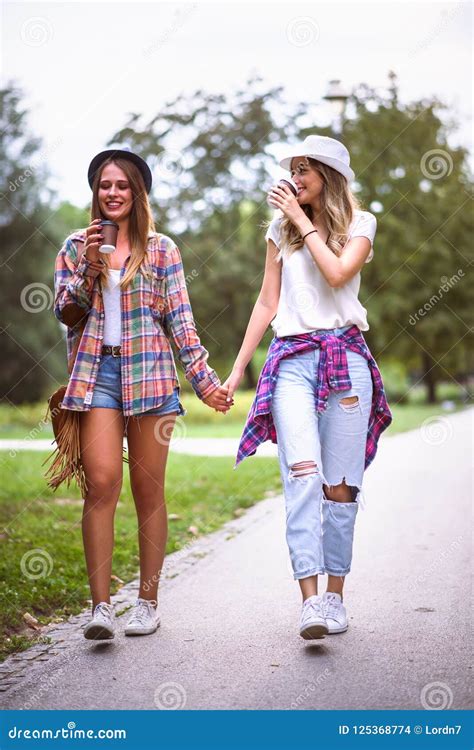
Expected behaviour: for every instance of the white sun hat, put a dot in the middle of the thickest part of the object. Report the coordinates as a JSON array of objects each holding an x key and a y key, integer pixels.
[{"x": 327, "y": 150}]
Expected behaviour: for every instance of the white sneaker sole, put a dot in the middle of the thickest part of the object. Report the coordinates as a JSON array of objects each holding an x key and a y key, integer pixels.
[
  {"x": 98, "y": 633},
  {"x": 341, "y": 629},
  {"x": 313, "y": 631},
  {"x": 141, "y": 631}
]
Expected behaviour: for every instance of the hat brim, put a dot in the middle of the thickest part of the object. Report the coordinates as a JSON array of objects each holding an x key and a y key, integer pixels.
[
  {"x": 99, "y": 159},
  {"x": 339, "y": 166}
]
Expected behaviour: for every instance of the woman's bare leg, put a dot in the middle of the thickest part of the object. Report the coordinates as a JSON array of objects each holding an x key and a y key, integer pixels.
[
  {"x": 308, "y": 586},
  {"x": 335, "y": 585},
  {"x": 339, "y": 493},
  {"x": 101, "y": 435},
  {"x": 148, "y": 445}
]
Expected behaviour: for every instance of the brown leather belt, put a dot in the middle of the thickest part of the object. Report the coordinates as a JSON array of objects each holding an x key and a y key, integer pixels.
[{"x": 115, "y": 351}]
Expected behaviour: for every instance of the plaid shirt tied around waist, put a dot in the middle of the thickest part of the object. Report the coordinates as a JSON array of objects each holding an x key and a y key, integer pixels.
[
  {"x": 332, "y": 373},
  {"x": 155, "y": 311}
]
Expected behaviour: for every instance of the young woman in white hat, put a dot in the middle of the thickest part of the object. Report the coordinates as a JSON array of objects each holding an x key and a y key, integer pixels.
[
  {"x": 320, "y": 395},
  {"x": 122, "y": 311}
]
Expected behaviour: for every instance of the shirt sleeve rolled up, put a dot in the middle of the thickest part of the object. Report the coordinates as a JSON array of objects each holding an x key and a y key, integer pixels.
[{"x": 73, "y": 284}]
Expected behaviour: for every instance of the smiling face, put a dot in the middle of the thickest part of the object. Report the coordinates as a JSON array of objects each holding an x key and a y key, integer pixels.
[
  {"x": 115, "y": 194},
  {"x": 308, "y": 180}
]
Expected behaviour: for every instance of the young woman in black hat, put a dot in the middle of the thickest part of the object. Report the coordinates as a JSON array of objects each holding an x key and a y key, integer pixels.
[{"x": 122, "y": 311}]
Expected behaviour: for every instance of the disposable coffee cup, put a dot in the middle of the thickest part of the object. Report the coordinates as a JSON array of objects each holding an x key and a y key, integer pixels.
[
  {"x": 110, "y": 231},
  {"x": 284, "y": 181},
  {"x": 292, "y": 185}
]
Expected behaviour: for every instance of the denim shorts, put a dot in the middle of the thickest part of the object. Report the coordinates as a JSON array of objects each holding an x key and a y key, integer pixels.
[
  {"x": 320, "y": 530},
  {"x": 108, "y": 390}
]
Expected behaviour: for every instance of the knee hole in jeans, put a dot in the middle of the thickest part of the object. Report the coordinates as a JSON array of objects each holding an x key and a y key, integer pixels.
[
  {"x": 332, "y": 492},
  {"x": 302, "y": 469},
  {"x": 349, "y": 404}
]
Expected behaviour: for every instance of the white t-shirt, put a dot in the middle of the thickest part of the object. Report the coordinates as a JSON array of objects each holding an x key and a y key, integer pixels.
[
  {"x": 307, "y": 302},
  {"x": 112, "y": 308}
]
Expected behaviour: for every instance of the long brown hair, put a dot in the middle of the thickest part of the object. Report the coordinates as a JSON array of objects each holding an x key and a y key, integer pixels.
[
  {"x": 338, "y": 206},
  {"x": 141, "y": 221}
]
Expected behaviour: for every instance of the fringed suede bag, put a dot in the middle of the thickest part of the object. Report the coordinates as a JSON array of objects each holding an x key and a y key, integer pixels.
[{"x": 66, "y": 457}]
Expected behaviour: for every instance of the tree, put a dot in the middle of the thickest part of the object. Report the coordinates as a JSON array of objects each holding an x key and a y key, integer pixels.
[
  {"x": 416, "y": 288},
  {"x": 31, "y": 338}
]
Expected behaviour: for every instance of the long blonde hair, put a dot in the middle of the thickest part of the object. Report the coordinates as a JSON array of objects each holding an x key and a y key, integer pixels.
[
  {"x": 141, "y": 221},
  {"x": 338, "y": 206}
]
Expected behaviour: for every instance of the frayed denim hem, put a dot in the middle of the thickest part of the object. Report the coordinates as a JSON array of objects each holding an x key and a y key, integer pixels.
[
  {"x": 314, "y": 572},
  {"x": 338, "y": 573}
]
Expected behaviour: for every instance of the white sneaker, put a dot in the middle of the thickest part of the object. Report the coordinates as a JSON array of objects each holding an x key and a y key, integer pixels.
[
  {"x": 101, "y": 626},
  {"x": 335, "y": 612},
  {"x": 313, "y": 623},
  {"x": 144, "y": 618}
]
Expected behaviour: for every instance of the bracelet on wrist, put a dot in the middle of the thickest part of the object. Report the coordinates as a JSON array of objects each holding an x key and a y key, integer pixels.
[
  {"x": 93, "y": 268},
  {"x": 99, "y": 261},
  {"x": 310, "y": 232}
]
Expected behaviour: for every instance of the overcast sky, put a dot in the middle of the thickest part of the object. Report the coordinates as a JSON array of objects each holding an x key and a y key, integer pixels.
[{"x": 84, "y": 65}]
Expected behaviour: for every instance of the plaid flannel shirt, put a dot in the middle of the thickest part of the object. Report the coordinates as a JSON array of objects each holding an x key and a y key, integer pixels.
[
  {"x": 333, "y": 373},
  {"x": 155, "y": 311}
]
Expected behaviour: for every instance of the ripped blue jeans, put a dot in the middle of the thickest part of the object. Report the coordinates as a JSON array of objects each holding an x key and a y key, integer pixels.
[{"x": 316, "y": 450}]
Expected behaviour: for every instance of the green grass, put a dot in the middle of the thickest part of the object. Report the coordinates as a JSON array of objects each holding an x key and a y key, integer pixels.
[
  {"x": 27, "y": 422},
  {"x": 412, "y": 416},
  {"x": 404, "y": 418},
  {"x": 204, "y": 492}
]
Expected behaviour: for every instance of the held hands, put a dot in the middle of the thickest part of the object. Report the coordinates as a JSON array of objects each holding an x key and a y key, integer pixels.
[
  {"x": 218, "y": 400},
  {"x": 223, "y": 397},
  {"x": 233, "y": 382},
  {"x": 283, "y": 198}
]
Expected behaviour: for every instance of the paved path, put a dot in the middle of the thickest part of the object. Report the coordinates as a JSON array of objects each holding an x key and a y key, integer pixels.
[
  {"x": 230, "y": 608},
  {"x": 195, "y": 446}
]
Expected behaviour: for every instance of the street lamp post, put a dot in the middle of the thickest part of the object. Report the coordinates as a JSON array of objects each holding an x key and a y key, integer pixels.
[{"x": 337, "y": 96}]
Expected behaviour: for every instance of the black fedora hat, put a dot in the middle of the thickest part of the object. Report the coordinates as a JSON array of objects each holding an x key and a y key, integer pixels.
[{"x": 99, "y": 159}]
